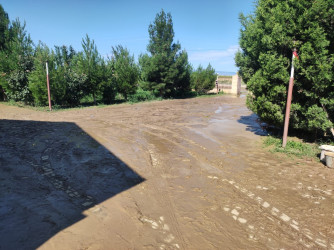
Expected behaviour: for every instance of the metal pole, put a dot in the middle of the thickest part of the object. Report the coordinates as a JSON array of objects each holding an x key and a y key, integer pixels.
[
  {"x": 48, "y": 85},
  {"x": 288, "y": 102}
]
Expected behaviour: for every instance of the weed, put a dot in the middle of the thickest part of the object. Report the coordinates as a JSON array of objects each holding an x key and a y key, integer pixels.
[
  {"x": 142, "y": 95},
  {"x": 293, "y": 147}
]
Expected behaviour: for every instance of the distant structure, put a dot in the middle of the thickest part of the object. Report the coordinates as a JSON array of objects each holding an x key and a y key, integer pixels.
[
  {"x": 225, "y": 73},
  {"x": 228, "y": 84},
  {"x": 236, "y": 84}
]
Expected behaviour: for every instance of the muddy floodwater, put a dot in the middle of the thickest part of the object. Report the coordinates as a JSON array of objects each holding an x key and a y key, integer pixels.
[{"x": 176, "y": 174}]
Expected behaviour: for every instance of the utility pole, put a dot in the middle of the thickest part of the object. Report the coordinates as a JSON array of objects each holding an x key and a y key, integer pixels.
[
  {"x": 48, "y": 85},
  {"x": 288, "y": 102}
]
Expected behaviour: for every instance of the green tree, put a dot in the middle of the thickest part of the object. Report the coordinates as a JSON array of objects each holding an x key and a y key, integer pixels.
[
  {"x": 67, "y": 84},
  {"x": 4, "y": 25},
  {"x": 89, "y": 62},
  {"x": 126, "y": 71},
  {"x": 108, "y": 84},
  {"x": 37, "y": 78},
  {"x": 267, "y": 39},
  {"x": 203, "y": 80},
  {"x": 16, "y": 63},
  {"x": 70, "y": 84},
  {"x": 4, "y": 29},
  {"x": 166, "y": 70}
]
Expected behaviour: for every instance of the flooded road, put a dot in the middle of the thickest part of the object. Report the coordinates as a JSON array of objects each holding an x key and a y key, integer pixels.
[{"x": 176, "y": 174}]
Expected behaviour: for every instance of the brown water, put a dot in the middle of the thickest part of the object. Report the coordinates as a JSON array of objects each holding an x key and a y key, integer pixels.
[{"x": 181, "y": 174}]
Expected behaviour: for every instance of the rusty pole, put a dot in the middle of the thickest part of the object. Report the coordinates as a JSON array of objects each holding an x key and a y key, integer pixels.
[
  {"x": 288, "y": 102},
  {"x": 48, "y": 85}
]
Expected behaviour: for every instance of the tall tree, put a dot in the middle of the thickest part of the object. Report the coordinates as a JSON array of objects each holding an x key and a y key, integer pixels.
[
  {"x": 126, "y": 71},
  {"x": 89, "y": 63},
  {"x": 67, "y": 83},
  {"x": 166, "y": 70},
  {"x": 37, "y": 78},
  {"x": 267, "y": 39},
  {"x": 4, "y": 28},
  {"x": 16, "y": 62},
  {"x": 70, "y": 84},
  {"x": 202, "y": 79},
  {"x": 108, "y": 83},
  {"x": 4, "y": 23}
]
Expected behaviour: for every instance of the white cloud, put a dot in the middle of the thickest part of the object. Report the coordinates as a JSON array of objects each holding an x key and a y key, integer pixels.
[
  {"x": 213, "y": 55},
  {"x": 222, "y": 60}
]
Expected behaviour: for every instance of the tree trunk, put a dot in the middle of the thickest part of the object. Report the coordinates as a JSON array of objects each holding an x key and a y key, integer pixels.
[
  {"x": 94, "y": 98},
  {"x": 324, "y": 108}
]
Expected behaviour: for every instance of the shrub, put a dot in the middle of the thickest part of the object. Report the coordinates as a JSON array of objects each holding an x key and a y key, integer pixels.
[{"x": 142, "y": 95}]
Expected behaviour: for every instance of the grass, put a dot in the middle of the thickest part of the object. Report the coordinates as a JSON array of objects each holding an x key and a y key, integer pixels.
[
  {"x": 139, "y": 96},
  {"x": 210, "y": 94},
  {"x": 221, "y": 76},
  {"x": 294, "y": 147},
  {"x": 55, "y": 107},
  {"x": 23, "y": 105}
]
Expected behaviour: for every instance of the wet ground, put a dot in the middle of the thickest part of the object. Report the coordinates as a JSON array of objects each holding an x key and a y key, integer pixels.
[{"x": 181, "y": 174}]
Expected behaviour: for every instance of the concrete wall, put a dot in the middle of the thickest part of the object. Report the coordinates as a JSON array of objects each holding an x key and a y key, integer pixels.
[
  {"x": 234, "y": 88},
  {"x": 236, "y": 84}
]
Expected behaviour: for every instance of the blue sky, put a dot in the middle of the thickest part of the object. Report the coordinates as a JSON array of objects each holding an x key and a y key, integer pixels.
[{"x": 207, "y": 30}]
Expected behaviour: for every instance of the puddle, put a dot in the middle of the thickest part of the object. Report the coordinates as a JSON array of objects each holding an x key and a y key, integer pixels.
[
  {"x": 219, "y": 110},
  {"x": 203, "y": 134},
  {"x": 208, "y": 182}
]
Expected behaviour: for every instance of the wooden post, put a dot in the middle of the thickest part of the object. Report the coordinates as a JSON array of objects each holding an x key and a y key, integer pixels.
[
  {"x": 288, "y": 102},
  {"x": 48, "y": 85}
]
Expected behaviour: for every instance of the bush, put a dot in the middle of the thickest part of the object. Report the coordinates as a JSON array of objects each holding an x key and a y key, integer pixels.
[
  {"x": 142, "y": 95},
  {"x": 267, "y": 39},
  {"x": 203, "y": 80},
  {"x": 292, "y": 147},
  {"x": 126, "y": 72}
]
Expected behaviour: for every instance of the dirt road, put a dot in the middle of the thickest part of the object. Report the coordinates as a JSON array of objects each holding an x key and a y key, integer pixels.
[{"x": 181, "y": 174}]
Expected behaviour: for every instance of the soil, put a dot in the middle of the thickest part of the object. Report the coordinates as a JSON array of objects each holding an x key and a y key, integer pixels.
[{"x": 175, "y": 174}]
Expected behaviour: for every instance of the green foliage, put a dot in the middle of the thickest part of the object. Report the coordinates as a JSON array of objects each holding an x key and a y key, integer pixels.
[
  {"x": 296, "y": 148},
  {"x": 80, "y": 76},
  {"x": 203, "y": 80},
  {"x": 37, "y": 78},
  {"x": 267, "y": 39},
  {"x": 67, "y": 83},
  {"x": 16, "y": 62},
  {"x": 64, "y": 89},
  {"x": 75, "y": 86},
  {"x": 141, "y": 96},
  {"x": 4, "y": 25},
  {"x": 166, "y": 70},
  {"x": 89, "y": 64},
  {"x": 126, "y": 71},
  {"x": 108, "y": 85}
]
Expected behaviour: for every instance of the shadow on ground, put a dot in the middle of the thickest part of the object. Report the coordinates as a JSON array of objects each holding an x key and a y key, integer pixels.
[
  {"x": 50, "y": 172},
  {"x": 251, "y": 121}
]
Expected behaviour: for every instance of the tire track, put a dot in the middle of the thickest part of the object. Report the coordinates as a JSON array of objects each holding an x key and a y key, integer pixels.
[
  {"x": 162, "y": 188},
  {"x": 302, "y": 233}
]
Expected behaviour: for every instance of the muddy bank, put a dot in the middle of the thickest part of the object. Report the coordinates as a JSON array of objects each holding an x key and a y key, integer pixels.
[{"x": 181, "y": 174}]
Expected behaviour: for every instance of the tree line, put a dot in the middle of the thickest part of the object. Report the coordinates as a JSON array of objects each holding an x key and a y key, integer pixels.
[
  {"x": 267, "y": 39},
  {"x": 164, "y": 71}
]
